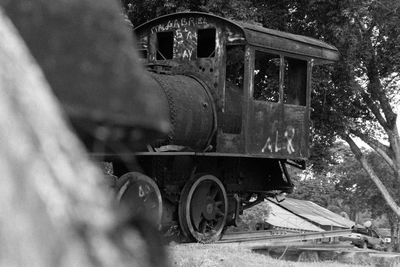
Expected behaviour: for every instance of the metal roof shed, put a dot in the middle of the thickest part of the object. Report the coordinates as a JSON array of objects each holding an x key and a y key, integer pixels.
[
  {"x": 314, "y": 213},
  {"x": 282, "y": 218}
]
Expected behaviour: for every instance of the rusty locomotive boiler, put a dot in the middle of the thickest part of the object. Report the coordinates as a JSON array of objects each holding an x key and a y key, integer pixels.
[{"x": 238, "y": 101}]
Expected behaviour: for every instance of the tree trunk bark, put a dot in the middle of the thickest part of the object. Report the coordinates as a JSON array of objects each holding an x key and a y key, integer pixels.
[
  {"x": 371, "y": 173},
  {"x": 396, "y": 240},
  {"x": 394, "y": 139},
  {"x": 53, "y": 210}
]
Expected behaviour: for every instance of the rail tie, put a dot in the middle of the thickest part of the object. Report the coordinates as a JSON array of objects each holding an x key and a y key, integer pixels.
[{"x": 271, "y": 236}]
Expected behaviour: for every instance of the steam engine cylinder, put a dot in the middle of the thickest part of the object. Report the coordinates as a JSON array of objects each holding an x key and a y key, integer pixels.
[{"x": 190, "y": 109}]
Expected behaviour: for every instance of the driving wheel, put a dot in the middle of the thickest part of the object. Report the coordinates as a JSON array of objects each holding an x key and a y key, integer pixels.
[
  {"x": 203, "y": 208},
  {"x": 140, "y": 195}
]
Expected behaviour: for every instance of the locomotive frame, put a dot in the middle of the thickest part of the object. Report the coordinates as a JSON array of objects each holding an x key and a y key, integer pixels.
[{"x": 238, "y": 99}]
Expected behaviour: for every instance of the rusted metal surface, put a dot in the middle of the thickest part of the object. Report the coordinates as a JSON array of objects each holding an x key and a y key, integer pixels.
[
  {"x": 245, "y": 126},
  {"x": 254, "y": 35},
  {"x": 190, "y": 111},
  {"x": 185, "y": 60},
  {"x": 278, "y": 130}
]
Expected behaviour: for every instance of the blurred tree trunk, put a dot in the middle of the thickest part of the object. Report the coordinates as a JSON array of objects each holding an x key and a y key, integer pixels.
[
  {"x": 87, "y": 53},
  {"x": 53, "y": 210},
  {"x": 394, "y": 224},
  {"x": 397, "y": 238}
]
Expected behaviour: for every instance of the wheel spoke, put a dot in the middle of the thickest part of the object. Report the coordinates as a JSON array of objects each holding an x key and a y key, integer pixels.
[
  {"x": 203, "y": 226},
  {"x": 219, "y": 213},
  {"x": 219, "y": 203},
  {"x": 197, "y": 218},
  {"x": 213, "y": 192},
  {"x": 196, "y": 214},
  {"x": 197, "y": 205},
  {"x": 200, "y": 193}
]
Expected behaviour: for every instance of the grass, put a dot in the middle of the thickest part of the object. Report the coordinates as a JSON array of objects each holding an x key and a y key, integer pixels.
[{"x": 228, "y": 255}]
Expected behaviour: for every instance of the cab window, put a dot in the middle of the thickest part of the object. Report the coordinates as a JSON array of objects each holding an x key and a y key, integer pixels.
[
  {"x": 266, "y": 76},
  {"x": 295, "y": 81},
  {"x": 165, "y": 45},
  {"x": 206, "y": 43}
]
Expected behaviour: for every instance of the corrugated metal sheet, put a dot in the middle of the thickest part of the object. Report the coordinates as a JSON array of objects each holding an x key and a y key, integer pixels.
[
  {"x": 314, "y": 213},
  {"x": 280, "y": 217}
]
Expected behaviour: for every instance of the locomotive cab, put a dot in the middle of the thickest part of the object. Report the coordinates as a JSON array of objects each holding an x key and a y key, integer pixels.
[
  {"x": 238, "y": 100},
  {"x": 256, "y": 82}
]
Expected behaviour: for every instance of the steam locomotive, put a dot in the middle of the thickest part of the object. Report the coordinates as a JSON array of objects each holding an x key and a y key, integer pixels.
[{"x": 237, "y": 96}]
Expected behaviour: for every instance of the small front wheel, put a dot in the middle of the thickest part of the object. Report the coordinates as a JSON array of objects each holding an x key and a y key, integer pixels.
[{"x": 140, "y": 196}]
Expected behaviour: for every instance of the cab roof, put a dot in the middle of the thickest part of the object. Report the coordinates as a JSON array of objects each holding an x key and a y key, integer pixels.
[{"x": 264, "y": 37}]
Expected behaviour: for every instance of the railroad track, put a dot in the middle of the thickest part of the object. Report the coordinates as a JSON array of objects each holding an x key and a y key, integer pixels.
[{"x": 274, "y": 236}]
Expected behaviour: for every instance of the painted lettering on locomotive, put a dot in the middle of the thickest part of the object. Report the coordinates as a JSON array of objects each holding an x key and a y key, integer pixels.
[{"x": 238, "y": 100}]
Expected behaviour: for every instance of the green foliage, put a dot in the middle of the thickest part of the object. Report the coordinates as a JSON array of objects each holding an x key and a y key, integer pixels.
[
  {"x": 359, "y": 192},
  {"x": 253, "y": 216},
  {"x": 318, "y": 188},
  {"x": 348, "y": 187},
  {"x": 343, "y": 186},
  {"x": 367, "y": 35},
  {"x": 142, "y": 11}
]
